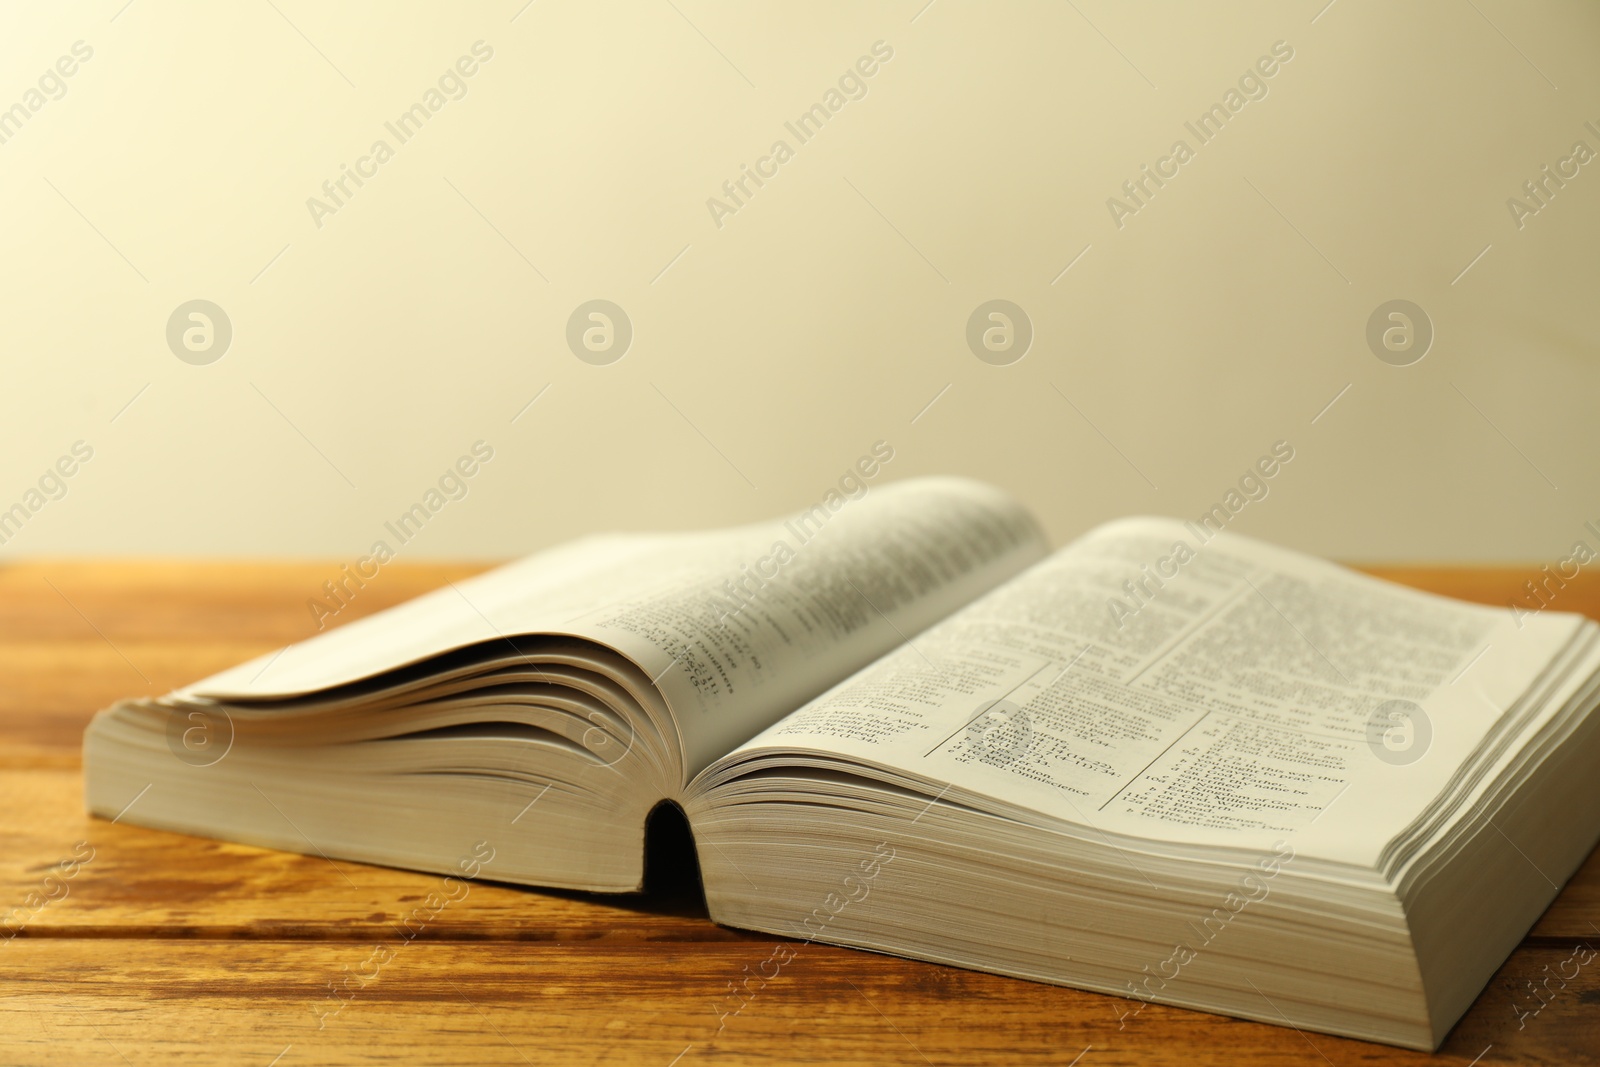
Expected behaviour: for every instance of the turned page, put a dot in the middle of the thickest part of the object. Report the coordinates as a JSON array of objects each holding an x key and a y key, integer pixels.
[
  {"x": 735, "y": 627},
  {"x": 1174, "y": 683}
]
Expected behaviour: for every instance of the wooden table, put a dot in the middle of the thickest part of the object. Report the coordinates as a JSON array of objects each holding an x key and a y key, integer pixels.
[{"x": 169, "y": 949}]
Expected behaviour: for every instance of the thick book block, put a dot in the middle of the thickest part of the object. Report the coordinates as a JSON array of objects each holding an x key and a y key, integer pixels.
[{"x": 1164, "y": 762}]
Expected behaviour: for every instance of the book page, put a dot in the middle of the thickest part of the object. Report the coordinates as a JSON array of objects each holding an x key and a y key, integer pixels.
[
  {"x": 735, "y": 627},
  {"x": 1150, "y": 682}
]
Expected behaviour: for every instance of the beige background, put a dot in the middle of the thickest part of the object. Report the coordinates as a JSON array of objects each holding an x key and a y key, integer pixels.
[{"x": 826, "y": 314}]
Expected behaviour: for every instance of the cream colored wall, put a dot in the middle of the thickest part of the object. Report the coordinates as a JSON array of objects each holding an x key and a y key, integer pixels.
[{"x": 823, "y": 315}]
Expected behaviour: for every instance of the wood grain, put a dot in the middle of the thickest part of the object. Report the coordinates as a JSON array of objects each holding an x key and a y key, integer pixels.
[
  {"x": 511, "y": 1002},
  {"x": 165, "y": 948}
]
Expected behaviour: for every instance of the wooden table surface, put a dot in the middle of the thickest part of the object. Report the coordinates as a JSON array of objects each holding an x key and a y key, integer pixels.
[{"x": 166, "y": 949}]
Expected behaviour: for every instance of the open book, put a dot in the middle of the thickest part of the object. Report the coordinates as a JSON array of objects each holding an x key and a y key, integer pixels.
[{"x": 1164, "y": 762}]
